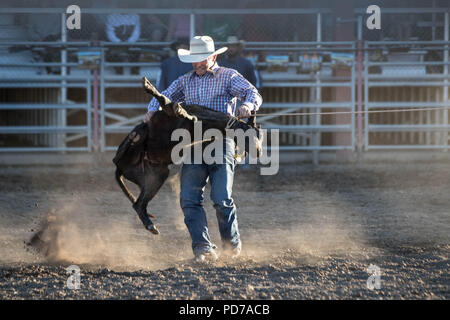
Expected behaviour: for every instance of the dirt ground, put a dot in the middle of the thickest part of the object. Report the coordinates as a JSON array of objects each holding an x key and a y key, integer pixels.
[{"x": 307, "y": 232}]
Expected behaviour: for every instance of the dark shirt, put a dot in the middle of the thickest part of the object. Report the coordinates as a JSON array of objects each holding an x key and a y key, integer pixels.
[
  {"x": 241, "y": 65},
  {"x": 171, "y": 70}
]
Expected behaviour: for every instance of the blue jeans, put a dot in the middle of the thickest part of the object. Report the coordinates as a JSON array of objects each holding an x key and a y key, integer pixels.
[{"x": 193, "y": 181}]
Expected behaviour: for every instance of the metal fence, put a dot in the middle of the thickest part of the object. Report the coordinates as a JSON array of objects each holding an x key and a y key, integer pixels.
[
  {"x": 407, "y": 69},
  {"x": 406, "y": 85},
  {"x": 302, "y": 104},
  {"x": 43, "y": 126},
  {"x": 38, "y": 120}
]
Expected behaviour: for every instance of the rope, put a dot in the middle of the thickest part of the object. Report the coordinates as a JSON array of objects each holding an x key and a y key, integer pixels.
[{"x": 347, "y": 112}]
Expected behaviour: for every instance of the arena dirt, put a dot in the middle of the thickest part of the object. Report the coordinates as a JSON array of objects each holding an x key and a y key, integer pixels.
[{"x": 308, "y": 233}]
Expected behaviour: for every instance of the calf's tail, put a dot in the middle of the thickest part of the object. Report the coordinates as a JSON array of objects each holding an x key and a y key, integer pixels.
[{"x": 119, "y": 179}]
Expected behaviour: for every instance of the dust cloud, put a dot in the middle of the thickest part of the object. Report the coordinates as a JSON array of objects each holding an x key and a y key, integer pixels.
[
  {"x": 302, "y": 218},
  {"x": 75, "y": 233},
  {"x": 321, "y": 233}
]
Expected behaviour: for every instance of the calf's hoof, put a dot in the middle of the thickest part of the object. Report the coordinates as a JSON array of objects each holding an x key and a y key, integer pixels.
[
  {"x": 134, "y": 137},
  {"x": 152, "y": 228},
  {"x": 148, "y": 86}
]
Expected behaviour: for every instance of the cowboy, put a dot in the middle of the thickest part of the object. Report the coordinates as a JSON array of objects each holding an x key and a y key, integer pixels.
[
  {"x": 234, "y": 60},
  {"x": 217, "y": 88}
]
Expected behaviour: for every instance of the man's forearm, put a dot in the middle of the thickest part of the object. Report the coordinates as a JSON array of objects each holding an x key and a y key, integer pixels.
[{"x": 253, "y": 100}]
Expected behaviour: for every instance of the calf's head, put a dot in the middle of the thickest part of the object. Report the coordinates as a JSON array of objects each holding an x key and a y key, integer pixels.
[{"x": 252, "y": 136}]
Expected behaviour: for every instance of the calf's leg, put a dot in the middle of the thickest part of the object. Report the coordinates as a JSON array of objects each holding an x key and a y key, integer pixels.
[
  {"x": 154, "y": 177},
  {"x": 171, "y": 109}
]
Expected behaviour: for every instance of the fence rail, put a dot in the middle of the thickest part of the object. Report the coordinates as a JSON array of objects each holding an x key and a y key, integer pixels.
[{"x": 50, "y": 124}]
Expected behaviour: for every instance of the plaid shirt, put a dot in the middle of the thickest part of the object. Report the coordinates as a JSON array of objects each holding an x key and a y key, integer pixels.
[{"x": 218, "y": 89}]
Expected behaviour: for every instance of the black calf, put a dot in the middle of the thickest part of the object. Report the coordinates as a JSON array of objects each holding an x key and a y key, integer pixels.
[{"x": 145, "y": 154}]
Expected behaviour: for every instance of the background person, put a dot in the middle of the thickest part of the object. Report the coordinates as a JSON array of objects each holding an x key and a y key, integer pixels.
[
  {"x": 233, "y": 59},
  {"x": 123, "y": 28},
  {"x": 172, "y": 68}
]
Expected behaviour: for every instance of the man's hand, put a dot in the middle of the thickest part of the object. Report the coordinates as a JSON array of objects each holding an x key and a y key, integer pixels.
[
  {"x": 244, "y": 112},
  {"x": 148, "y": 116}
]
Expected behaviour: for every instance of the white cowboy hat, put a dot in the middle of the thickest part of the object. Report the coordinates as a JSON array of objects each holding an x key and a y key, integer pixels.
[
  {"x": 234, "y": 40},
  {"x": 201, "y": 47}
]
